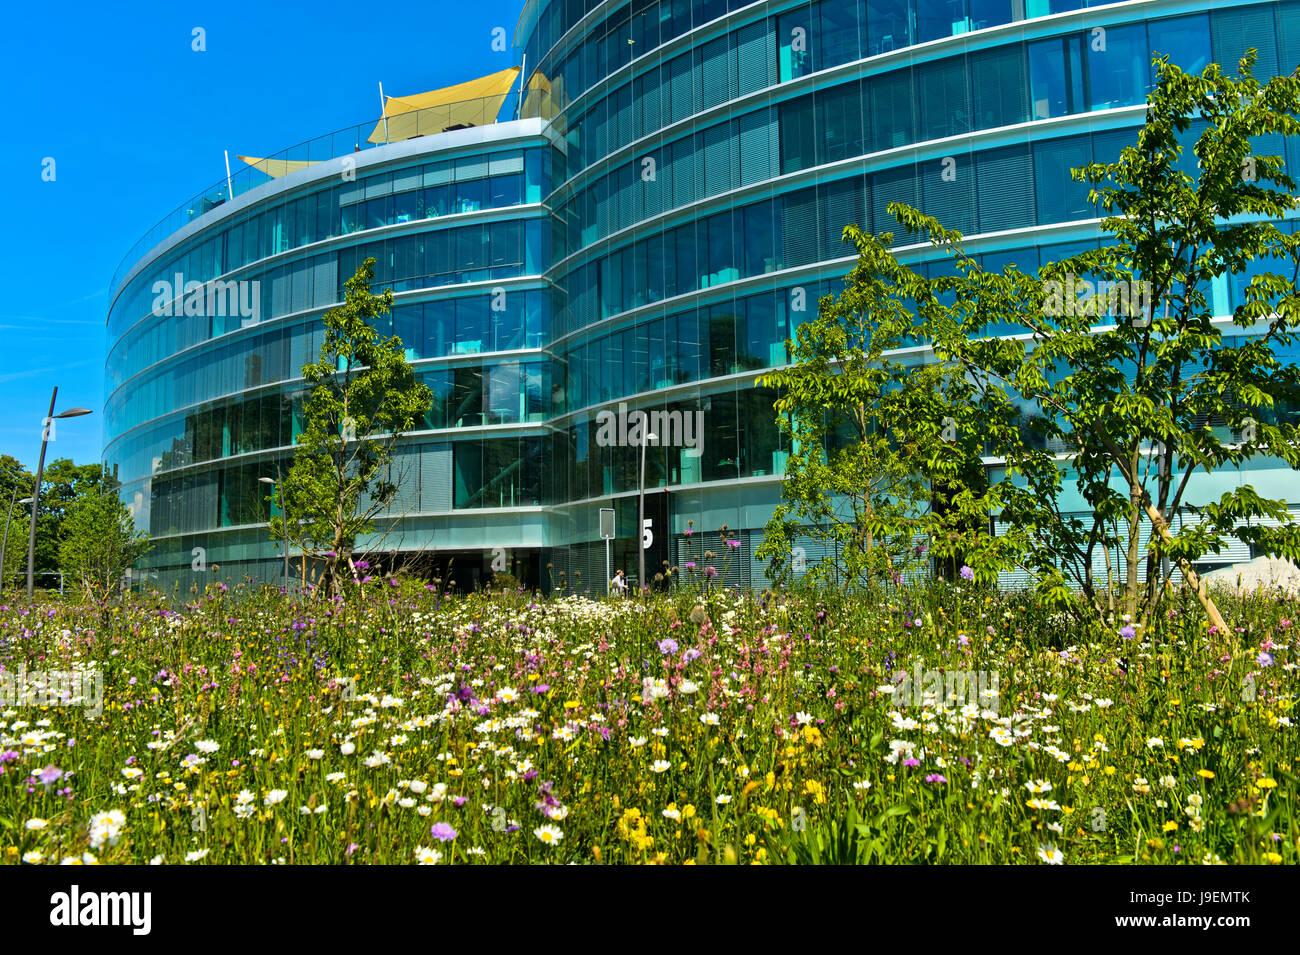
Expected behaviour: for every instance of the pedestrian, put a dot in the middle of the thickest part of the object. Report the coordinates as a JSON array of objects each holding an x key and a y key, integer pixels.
[{"x": 619, "y": 584}]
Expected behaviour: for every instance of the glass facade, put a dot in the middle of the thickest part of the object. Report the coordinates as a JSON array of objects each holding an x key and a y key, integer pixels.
[{"x": 647, "y": 237}]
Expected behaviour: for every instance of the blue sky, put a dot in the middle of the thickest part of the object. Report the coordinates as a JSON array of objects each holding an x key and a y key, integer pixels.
[{"x": 136, "y": 122}]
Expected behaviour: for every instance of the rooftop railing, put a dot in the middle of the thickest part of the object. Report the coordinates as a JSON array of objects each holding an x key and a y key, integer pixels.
[{"x": 350, "y": 139}]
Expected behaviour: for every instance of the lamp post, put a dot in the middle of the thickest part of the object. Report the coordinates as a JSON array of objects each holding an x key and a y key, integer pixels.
[
  {"x": 275, "y": 482},
  {"x": 4, "y": 545},
  {"x": 40, "y": 471},
  {"x": 640, "y": 553}
]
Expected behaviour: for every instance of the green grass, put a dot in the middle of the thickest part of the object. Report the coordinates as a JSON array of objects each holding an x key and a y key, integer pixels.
[{"x": 774, "y": 742}]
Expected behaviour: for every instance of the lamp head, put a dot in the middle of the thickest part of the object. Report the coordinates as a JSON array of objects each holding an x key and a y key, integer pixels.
[{"x": 73, "y": 413}]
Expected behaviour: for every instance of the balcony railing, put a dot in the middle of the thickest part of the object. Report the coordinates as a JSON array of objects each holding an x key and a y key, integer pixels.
[{"x": 350, "y": 139}]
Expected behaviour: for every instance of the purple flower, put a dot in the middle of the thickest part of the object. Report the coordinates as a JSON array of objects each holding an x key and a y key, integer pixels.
[
  {"x": 443, "y": 832},
  {"x": 1127, "y": 632},
  {"x": 459, "y": 801},
  {"x": 967, "y": 573},
  {"x": 733, "y": 543},
  {"x": 911, "y": 762},
  {"x": 710, "y": 571},
  {"x": 50, "y": 774},
  {"x": 541, "y": 688},
  {"x": 1265, "y": 659},
  {"x": 690, "y": 654},
  {"x": 936, "y": 779},
  {"x": 668, "y": 645}
]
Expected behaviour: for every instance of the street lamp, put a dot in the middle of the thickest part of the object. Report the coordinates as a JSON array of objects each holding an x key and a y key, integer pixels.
[
  {"x": 274, "y": 482},
  {"x": 4, "y": 545},
  {"x": 40, "y": 471},
  {"x": 640, "y": 553}
]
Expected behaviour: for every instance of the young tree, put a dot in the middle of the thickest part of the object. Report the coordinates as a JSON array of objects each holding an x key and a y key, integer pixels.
[
  {"x": 1134, "y": 376},
  {"x": 99, "y": 544},
  {"x": 363, "y": 396},
  {"x": 884, "y": 456},
  {"x": 63, "y": 484}
]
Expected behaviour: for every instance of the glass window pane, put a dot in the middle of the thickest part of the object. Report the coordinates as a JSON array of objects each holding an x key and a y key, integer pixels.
[
  {"x": 888, "y": 26},
  {"x": 1056, "y": 76},
  {"x": 893, "y": 111},
  {"x": 1118, "y": 66},
  {"x": 1058, "y": 197},
  {"x": 794, "y": 43},
  {"x": 936, "y": 19},
  {"x": 1000, "y": 86},
  {"x": 944, "y": 100},
  {"x": 839, "y": 41},
  {"x": 1185, "y": 40}
]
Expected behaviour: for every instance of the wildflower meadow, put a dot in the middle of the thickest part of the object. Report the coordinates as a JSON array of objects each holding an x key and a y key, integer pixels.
[{"x": 400, "y": 723}]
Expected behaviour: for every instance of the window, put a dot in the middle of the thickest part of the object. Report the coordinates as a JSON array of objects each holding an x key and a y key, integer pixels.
[
  {"x": 798, "y": 138},
  {"x": 759, "y": 346},
  {"x": 505, "y": 393},
  {"x": 1000, "y": 87},
  {"x": 889, "y": 26},
  {"x": 949, "y": 189},
  {"x": 1185, "y": 40},
  {"x": 1058, "y": 197},
  {"x": 760, "y": 239},
  {"x": 893, "y": 116},
  {"x": 467, "y": 467},
  {"x": 1235, "y": 30},
  {"x": 839, "y": 41},
  {"x": 506, "y": 190},
  {"x": 839, "y": 118},
  {"x": 1006, "y": 189},
  {"x": 722, "y": 341},
  {"x": 991, "y": 13},
  {"x": 1056, "y": 76},
  {"x": 936, "y": 19},
  {"x": 467, "y": 396},
  {"x": 794, "y": 43},
  {"x": 1118, "y": 66},
  {"x": 945, "y": 104}
]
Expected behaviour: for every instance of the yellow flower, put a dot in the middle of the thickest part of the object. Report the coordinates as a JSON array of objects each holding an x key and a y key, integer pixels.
[
  {"x": 1170, "y": 827},
  {"x": 1266, "y": 782},
  {"x": 1273, "y": 857},
  {"x": 1205, "y": 774}
]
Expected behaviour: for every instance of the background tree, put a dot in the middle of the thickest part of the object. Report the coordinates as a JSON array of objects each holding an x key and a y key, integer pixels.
[
  {"x": 363, "y": 396},
  {"x": 63, "y": 484},
  {"x": 885, "y": 462},
  {"x": 99, "y": 544},
  {"x": 1142, "y": 398}
]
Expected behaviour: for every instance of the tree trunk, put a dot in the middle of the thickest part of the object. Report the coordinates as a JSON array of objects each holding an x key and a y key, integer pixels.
[
  {"x": 1133, "y": 558},
  {"x": 1194, "y": 580}
]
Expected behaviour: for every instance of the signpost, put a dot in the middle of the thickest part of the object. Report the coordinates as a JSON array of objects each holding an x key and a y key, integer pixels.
[{"x": 607, "y": 532}]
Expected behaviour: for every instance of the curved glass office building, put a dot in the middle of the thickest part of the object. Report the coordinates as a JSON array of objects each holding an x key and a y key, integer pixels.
[{"x": 665, "y": 213}]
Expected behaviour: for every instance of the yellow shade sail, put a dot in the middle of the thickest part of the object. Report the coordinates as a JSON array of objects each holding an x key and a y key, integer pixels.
[
  {"x": 275, "y": 168},
  {"x": 473, "y": 103}
]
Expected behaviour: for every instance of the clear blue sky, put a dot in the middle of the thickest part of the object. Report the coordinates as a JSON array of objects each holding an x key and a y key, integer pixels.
[{"x": 136, "y": 122}]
